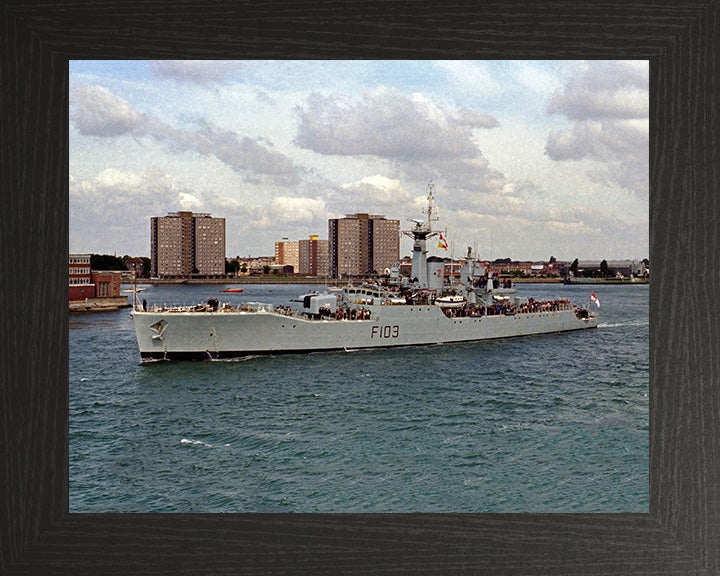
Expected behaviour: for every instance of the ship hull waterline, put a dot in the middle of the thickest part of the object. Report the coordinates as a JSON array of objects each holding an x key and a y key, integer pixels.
[{"x": 222, "y": 335}]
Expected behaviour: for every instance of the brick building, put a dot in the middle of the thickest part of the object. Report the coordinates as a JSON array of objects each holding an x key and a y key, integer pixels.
[
  {"x": 80, "y": 277},
  {"x": 87, "y": 284},
  {"x": 362, "y": 244},
  {"x": 287, "y": 253},
  {"x": 313, "y": 256},
  {"x": 187, "y": 243},
  {"x": 107, "y": 283}
]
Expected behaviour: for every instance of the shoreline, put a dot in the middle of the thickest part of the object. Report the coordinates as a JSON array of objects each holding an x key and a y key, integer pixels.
[
  {"x": 332, "y": 282},
  {"x": 100, "y": 304}
]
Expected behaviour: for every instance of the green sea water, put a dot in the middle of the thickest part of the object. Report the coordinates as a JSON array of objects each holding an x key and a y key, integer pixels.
[{"x": 550, "y": 423}]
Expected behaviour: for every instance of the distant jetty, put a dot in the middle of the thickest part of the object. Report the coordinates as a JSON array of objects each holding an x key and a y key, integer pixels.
[
  {"x": 606, "y": 281},
  {"x": 100, "y": 304}
]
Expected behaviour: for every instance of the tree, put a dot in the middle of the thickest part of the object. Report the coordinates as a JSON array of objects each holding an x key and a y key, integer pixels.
[
  {"x": 146, "y": 266},
  {"x": 243, "y": 268},
  {"x": 106, "y": 262},
  {"x": 552, "y": 260},
  {"x": 266, "y": 269},
  {"x": 574, "y": 267},
  {"x": 231, "y": 266},
  {"x": 604, "y": 270}
]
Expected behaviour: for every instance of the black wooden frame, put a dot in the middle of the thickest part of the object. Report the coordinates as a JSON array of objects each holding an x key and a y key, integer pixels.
[{"x": 681, "y": 532}]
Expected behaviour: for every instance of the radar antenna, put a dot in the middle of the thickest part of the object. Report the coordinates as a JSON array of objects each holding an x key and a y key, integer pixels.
[
  {"x": 430, "y": 208},
  {"x": 425, "y": 226}
]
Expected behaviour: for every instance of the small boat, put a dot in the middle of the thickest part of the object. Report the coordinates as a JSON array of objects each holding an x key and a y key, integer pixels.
[
  {"x": 451, "y": 301},
  {"x": 233, "y": 290}
]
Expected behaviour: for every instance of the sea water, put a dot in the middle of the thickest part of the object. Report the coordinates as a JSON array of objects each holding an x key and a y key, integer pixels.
[{"x": 549, "y": 423}]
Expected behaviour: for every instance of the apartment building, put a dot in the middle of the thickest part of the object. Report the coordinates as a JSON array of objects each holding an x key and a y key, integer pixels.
[
  {"x": 287, "y": 253},
  {"x": 361, "y": 244},
  {"x": 186, "y": 243},
  {"x": 313, "y": 256},
  {"x": 308, "y": 257}
]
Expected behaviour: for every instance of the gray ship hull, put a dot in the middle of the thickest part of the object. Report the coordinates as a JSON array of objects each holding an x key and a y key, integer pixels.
[{"x": 225, "y": 334}]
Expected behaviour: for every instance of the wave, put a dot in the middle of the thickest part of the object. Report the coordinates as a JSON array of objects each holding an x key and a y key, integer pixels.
[
  {"x": 235, "y": 359},
  {"x": 623, "y": 324},
  {"x": 199, "y": 443}
]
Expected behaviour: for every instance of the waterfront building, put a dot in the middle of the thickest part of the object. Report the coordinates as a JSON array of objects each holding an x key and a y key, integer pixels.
[
  {"x": 509, "y": 267},
  {"x": 186, "y": 243},
  {"x": 87, "y": 284},
  {"x": 255, "y": 265},
  {"x": 107, "y": 283},
  {"x": 80, "y": 277},
  {"x": 308, "y": 257},
  {"x": 287, "y": 253},
  {"x": 624, "y": 268},
  {"x": 136, "y": 266},
  {"x": 313, "y": 256},
  {"x": 361, "y": 244}
]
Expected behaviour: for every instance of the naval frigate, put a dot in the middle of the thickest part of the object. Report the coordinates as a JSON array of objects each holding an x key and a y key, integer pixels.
[{"x": 424, "y": 309}]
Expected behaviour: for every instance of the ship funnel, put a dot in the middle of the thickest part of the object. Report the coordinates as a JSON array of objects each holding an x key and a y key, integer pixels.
[{"x": 436, "y": 274}]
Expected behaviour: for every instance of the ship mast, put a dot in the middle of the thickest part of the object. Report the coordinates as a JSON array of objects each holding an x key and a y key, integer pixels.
[{"x": 420, "y": 233}]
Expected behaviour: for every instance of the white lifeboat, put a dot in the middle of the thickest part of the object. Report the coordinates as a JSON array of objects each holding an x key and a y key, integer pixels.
[{"x": 451, "y": 301}]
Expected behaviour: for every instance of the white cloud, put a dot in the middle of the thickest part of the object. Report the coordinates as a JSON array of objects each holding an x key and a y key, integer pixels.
[
  {"x": 377, "y": 190},
  {"x": 98, "y": 112},
  {"x": 116, "y": 198},
  {"x": 189, "y": 201},
  {"x": 388, "y": 124},
  {"x": 299, "y": 209},
  {"x": 608, "y": 104}
]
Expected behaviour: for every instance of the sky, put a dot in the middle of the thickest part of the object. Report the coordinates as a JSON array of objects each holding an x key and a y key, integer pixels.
[{"x": 528, "y": 159}]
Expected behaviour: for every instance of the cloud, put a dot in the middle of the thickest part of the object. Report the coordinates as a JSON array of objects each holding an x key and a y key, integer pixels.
[
  {"x": 607, "y": 103},
  {"x": 376, "y": 190},
  {"x": 534, "y": 76},
  {"x": 387, "y": 124},
  {"x": 604, "y": 90},
  {"x": 189, "y": 201},
  {"x": 473, "y": 119},
  {"x": 254, "y": 158},
  {"x": 131, "y": 198},
  {"x": 309, "y": 210},
  {"x": 473, "y": 78},
  {"x": 194, "y": 71},
  {"x": 98, "y": 112},
  {"x": 414, "y": 139},
  {"x": 134, "y": 191},
  {"x": 610, "y": 140}
]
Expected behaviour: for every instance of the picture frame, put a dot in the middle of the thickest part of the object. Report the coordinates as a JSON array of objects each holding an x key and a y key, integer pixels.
[{"x": 681, "y": 532}]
